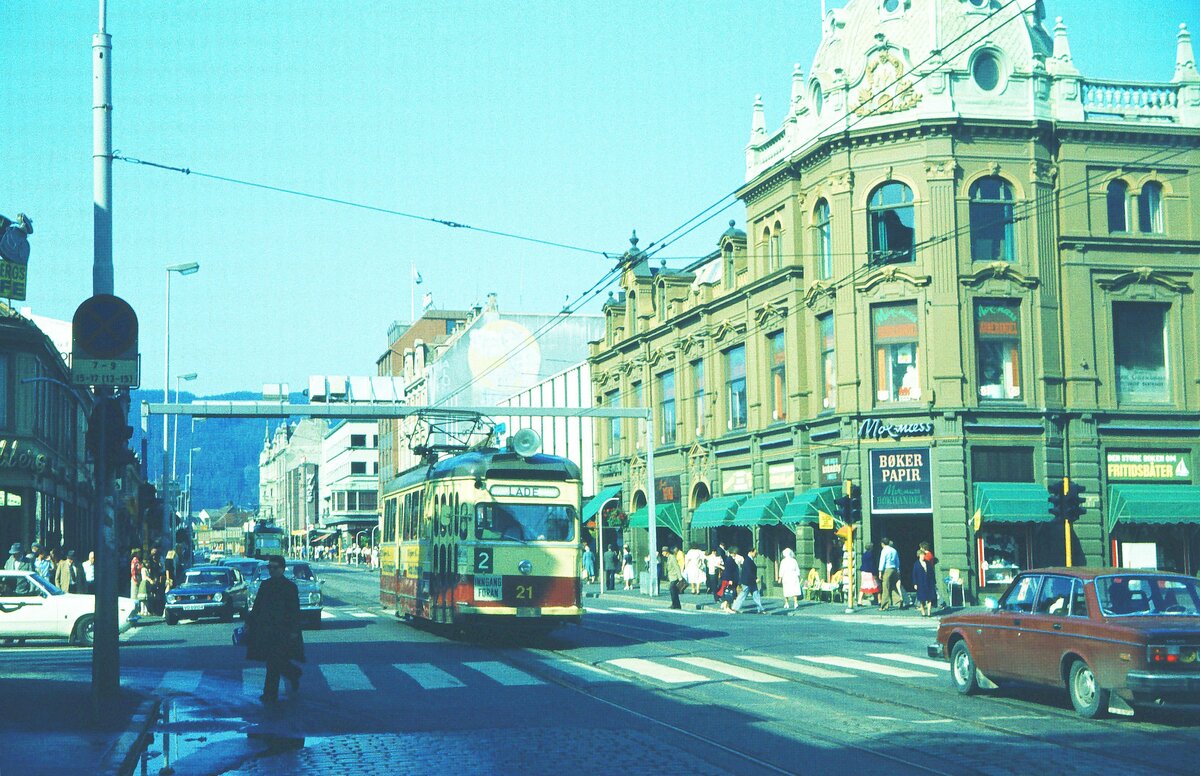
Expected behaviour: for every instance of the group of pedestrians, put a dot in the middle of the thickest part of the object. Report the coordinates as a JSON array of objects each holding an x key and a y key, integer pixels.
[
  {"x": 58, "y": 566},
  {"x": 149, "y": 581},
  {"x": 881, "y": 581}
]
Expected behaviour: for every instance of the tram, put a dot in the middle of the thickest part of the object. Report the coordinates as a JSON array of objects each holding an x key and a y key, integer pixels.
[{"x": 483, "y": 537}]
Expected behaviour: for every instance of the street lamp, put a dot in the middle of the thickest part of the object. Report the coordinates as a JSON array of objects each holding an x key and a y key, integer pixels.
[
  {"x": 188, "y": 500},
  {"x": 188, "y": 268},
  {"x": 189, "y": 376}
]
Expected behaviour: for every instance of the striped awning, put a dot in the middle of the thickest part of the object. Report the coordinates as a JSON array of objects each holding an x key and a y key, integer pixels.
[
  {"x": 1012, "y": 502},
  {"x": 804, "y": 507},
  {"x": 665, "y": 516},
  {"x": 763, "y": 509},
  {"x": 1153, "y": 504},
  {"x": 716, "y": 512}
]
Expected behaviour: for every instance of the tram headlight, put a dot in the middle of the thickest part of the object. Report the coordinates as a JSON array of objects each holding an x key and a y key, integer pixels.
[{"x": 525, "y": 567}]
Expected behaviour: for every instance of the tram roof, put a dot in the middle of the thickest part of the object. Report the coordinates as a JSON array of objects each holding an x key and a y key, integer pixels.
[{"x": 489, "y": 464}]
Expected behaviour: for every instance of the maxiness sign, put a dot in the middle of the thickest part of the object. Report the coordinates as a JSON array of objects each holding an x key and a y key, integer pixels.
[{"x": 901, "y": 481}]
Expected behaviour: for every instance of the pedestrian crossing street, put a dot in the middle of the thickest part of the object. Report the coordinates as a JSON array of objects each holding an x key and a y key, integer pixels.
[{"x": 658, "y": 672}]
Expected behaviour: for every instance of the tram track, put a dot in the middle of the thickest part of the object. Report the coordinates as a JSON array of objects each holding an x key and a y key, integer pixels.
[{"x": 918, "y": 758}]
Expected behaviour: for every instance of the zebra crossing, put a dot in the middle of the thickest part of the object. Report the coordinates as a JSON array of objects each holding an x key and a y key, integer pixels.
[
  {"x": 327, "y": 614},
  {"x": 656, "y": 671}
]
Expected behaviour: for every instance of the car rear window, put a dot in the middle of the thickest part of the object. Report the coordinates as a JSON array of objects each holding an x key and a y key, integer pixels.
[{"x": 1147, "y": 594}]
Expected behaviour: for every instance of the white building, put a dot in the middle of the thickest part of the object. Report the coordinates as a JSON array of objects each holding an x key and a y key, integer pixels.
[{"x": 349, "y": 480}]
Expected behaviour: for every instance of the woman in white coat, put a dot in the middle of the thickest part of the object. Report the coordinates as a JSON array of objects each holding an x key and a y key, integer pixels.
[
  {"x": 788, "y": 575},
  {"x": 695, "y": 570}
]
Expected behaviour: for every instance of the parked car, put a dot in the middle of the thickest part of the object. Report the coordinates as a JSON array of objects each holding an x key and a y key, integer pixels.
[
  {"x": 248, "y": 566},
  {"x": 308, "y": 585},
  {"x": 1117, "y": 639},
  {"x": 208, "y": 591},
  {"x": 31, "y": 607}
]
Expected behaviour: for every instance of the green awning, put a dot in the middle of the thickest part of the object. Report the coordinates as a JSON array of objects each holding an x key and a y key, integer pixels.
[
  {"x": 1153, "y": 504},
  {"x": 716, "y": 512},
  {"x": 1012, "y": 502},
  {"x": 803, "y": 506},
  {"x": 763, "y": 509},
  {"x": 666, "y": 516},
  {"x": 598, "y": 501}
]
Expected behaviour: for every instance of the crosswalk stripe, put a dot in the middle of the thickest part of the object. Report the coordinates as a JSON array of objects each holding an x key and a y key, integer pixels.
[
  {"x": 371, "y": 615},
  {"x": 345, "y": 676},
  {"x": 679, "y": 611},
  {"x": 504, "y": 673},
  {"x": 429, "y": 676},
  {"x": 862, "y": 665},
  {"x": 589, "y": 610},
  {"x": 328, "y": 615},
  {"x": 900, "y": 657},
  {"x": 253, "y": 680},
  {"x": 179, "y": 681},
  {"x": 799, "y": 668},
  {"x": 627, "y": 610},
  {"x": 668, "y": 674},
  {"x": 585, "y": 671},
  {"x": 749, "y": 674}
]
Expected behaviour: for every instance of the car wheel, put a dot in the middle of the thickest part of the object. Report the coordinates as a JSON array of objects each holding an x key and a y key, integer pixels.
[
  {"x": 171, "y": 618},
  {"x": 962, "y": 669},
  {"x": 85, "y": 631},
  {"x": 1087, "y": 696}
]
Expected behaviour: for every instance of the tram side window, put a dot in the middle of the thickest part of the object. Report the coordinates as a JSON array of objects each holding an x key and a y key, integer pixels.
[{"x": 389, "y": 521}]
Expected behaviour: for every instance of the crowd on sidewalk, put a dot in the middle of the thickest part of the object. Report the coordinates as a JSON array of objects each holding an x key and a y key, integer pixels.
[
  {"x": 730, "y": 577},
  {"x": 56, "y": 565}
]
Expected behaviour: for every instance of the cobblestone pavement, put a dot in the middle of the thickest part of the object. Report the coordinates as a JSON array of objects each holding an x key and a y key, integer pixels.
[{"x": 528, "y": 751}]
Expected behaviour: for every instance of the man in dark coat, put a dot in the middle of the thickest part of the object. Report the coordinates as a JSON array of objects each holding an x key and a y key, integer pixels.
[
  {"x": 610, "y": 568},
  {"x": 273, "y": 630}
]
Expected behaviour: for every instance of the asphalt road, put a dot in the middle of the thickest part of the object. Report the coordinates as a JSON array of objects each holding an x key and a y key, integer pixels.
[{"x": 636, "y": 689}]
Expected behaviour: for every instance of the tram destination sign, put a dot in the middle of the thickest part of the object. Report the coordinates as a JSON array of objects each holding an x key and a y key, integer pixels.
[
  {"x": 524, "y": 491},
  {"x": 901, "y": 481}
]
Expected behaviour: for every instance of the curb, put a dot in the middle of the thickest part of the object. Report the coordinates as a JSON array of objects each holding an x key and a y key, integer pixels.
[{"x": 122, "y": 757}]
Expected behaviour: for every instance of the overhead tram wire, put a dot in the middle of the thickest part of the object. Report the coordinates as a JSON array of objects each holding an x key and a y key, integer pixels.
[{"x": 359, "y": 205}]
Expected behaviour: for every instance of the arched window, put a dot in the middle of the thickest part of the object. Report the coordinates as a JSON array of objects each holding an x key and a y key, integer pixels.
[
  {"x": 1118, "y": 206},
  {"x": 991, "y": 220},
  {"x": 824, "y": 241},
  {"x": 633, "y": 312},
  {"x": 890, "y": 211},
  {"x": 768, "y": 248},
  {"x": 776, "y": 247},
  {"x": 727, "y": 266},
  {"x": 1150, "y": 219}
]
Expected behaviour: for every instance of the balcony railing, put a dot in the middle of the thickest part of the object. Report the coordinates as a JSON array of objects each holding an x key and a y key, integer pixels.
[{"x": 1126, "y": 100}]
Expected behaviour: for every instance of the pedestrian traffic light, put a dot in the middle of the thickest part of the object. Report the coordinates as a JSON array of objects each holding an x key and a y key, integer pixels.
[
  {"x": 1073, "y": 501},
  {"x": 1057, "y": 499}
]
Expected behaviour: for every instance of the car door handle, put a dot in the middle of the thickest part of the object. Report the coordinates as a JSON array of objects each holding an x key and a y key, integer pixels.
[{"x": 1057, "y": 626}]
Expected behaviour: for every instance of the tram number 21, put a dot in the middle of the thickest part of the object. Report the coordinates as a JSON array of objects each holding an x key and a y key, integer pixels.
[{"x": 524, "y": 592}]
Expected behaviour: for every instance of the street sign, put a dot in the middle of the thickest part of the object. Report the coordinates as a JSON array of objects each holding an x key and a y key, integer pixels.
[{"x": 104, "y": 334}]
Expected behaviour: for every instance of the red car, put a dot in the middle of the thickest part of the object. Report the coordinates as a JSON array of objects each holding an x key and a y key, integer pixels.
[{"x": 1115, "y": 638}]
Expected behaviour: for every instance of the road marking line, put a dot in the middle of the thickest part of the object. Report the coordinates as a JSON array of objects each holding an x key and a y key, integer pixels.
[
  {"x": 749, "y": 674},
  {"x": 328, "y": 615},
  {"x": 363, "y": 614},
  {"x": 628, "y": 611},
  {"x": 932, "y": 721},
  {"x": 680, "y": 611},
  {"x": 662, "y": 673},
  {"x": 862, "y": 665},
  {"x": 342, "y": 677},
  {"x": 253, "y": 680},
  {"x": 799, "y": 668},
  {"x": 900, "y": 657},
  {"x": 180, "y": 681},
  {"x": 585, "y": 671},
  {"x": 598, "y": 611},
  {"x": 429, "y": 676},
  {"x": 504, "y": 673}
]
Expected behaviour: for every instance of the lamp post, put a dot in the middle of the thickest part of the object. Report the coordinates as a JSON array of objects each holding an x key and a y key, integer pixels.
[
  {"x": 188, "y": 268},
  {"x": 188, "y": 500},
  {"x": 189, "y": 376}
]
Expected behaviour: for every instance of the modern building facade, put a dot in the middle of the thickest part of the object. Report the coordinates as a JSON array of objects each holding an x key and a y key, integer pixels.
[
  {"x": 349, "y": 481},
  {"x": 968, "y": 271}
]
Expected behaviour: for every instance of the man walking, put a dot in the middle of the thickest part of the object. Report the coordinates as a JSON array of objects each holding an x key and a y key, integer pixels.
[
  {"x": 889, "y": 570},
  {"x": 674, "y": 576},
  {"x": 610, "y": 568},
  {"x": 749, "y": 579},
  {"x": 273, "y": 630}
]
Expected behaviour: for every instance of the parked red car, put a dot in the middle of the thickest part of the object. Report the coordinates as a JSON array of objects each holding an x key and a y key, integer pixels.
[{"x": 1115, "y": 638}]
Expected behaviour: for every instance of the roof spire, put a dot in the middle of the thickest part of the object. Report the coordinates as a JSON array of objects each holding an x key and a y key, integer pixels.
[
  {"x": 758, "y": 126},
  {"x": 1062, "y": 46},
  {"x": 1185, "y": 59},
  {"x": 797, "y": 90}
]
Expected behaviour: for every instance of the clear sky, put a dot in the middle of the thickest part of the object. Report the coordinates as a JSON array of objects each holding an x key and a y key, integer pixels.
[{"x": 568, "y": 121}]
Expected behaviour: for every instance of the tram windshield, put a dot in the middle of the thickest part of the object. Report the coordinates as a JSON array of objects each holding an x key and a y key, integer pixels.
[{"x": 525, "y": 522}]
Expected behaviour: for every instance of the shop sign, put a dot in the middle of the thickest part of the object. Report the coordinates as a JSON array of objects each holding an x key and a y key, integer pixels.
[
  {"x": 901, "y": 481},
  {"x": 15, "y": 456},
  {"x": 1144, "y": 467},
  {"x": 736, "y": 481},
  {"x": 874, "y": 428},
  {"x": 781, "y": 476},
  {"x": 666, "y": 489},
  {"x": 831, "y": 468}
]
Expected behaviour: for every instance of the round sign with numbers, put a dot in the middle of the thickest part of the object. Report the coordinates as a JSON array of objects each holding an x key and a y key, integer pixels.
[{"x": 104, "y": 327}]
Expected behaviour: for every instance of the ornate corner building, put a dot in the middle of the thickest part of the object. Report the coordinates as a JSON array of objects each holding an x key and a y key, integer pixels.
[{"x": 968, "y": 270}]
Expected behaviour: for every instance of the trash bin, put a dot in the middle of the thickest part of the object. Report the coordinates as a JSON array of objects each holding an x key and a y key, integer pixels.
[{"x": 955, "y": 588}]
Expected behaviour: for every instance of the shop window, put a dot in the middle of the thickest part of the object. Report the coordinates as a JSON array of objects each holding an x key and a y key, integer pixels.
[
  {"x": 1140, "y": 351},
  {"x": 891, "y": 217},
  {"x": 823, "y": 237},
  {"x": 368, "y": 500},
  {"x": 1002, "y": 464},
  {"x": 991, "y": 220},
  {"x": 1149, "y": 203},
  {"x": 778, "y": 361},
  {"x": 666, "y": 407},
  {"x": 614, "y": 424},
  {"x": 735, "y": 387},
  {"x": 828, "y": 362},
  {"x": 998, "y": 349},
  {"x": 698, "y": 395},
  {"x": 897, "y": 364},
  {"x": 1118, "y": 206}
]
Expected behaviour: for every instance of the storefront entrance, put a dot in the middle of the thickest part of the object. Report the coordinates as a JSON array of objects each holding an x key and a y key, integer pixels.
[{"x": 907, "y": 533}]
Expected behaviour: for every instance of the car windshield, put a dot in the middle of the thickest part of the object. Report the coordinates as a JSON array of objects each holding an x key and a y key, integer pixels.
[
  {"x": 298, "y": 571},
  {"x": 206, "y": 578},
  {"x": 525, "y": 522},
  {"x": 247, "y": 567},
  {"x": 48, "y": 585},
  {"x": 1148, "y": 594}
]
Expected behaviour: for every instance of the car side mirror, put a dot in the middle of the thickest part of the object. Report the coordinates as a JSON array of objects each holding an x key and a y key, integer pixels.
[{"x": 991, "y": 603}]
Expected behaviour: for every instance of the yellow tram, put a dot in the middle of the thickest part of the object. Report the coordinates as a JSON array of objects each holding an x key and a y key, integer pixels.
[{"x": 483, "y": 537}]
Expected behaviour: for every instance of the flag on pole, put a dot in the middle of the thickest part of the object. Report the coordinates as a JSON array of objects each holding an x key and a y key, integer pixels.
[{"x": 417, "y": 276}]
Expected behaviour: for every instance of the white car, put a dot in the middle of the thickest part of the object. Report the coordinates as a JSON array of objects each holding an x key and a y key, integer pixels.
[{"x": 31, "y": 607}]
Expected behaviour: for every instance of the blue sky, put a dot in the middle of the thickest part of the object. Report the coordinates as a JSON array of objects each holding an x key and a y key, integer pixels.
[{"x": 567, "y": 121}]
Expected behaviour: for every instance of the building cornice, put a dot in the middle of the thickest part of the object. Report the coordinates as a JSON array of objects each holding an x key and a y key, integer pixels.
[{"x": 998, "y": 270}]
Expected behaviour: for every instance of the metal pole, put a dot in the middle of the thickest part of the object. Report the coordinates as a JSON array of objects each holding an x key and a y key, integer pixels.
[
  {"x": 651, "y": 507},
  {"x": 175, "y": 433},
  {"x": 102, "y": 267},
  {"x": 1066, "y": 488},
  {"x": 162, "y": 494}
]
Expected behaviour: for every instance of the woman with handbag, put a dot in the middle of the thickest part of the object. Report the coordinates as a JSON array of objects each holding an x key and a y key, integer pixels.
[{"x": 273, "y": 630}]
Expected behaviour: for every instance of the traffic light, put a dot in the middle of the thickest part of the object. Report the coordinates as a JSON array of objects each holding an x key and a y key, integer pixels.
[
  {"x": 849, "y": 504},
  {"x": 844, "y": 508},
  {"x": 1073, "y": 501},
  {"x": 1057, "y": 499},
  {"x": 855, "y": 504},
  {"x": 108, "y": 432}
]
